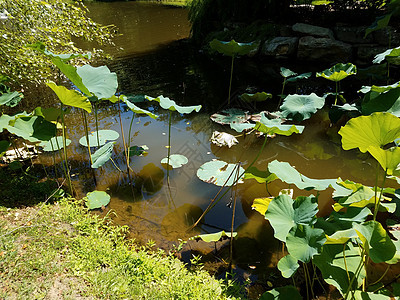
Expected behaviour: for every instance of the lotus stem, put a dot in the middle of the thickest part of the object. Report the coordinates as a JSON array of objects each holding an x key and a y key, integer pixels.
[
  {"x": 233, "y": 214},
  {"x": 65, "y": 149},
  {"x": 87, "y": 135},
  {"x": 97, "y": 124},
  {"x": 54, "y": 157},
  {"x": 281, "y": 95},
  {"x": 377, "y": 203},
  {"x": 129, "y": 134},
  {"x": 169, "y": 144},
  {"x": 336, "y": 94},
  {"x": 230, "y": 81},
  {"x": 123, "y": 139},
  {"x": 359, "y": 267}
]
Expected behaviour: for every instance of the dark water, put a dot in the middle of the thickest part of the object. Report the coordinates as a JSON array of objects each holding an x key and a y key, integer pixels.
[{"x": 154, "y": 62}]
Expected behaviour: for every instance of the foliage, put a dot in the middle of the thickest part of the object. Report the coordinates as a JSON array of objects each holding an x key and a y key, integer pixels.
[{"x": 53, "y": 22}]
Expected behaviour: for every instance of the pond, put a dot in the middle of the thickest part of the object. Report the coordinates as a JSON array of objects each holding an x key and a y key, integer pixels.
[{"x": 155, "y": 61}]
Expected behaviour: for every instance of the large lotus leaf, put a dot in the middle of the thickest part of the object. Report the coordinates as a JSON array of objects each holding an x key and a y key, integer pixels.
[
  {"x": 352, "y": 214},
  {"x": 338, "y": 263},
  {"x": 360, "y": 295},
  {"x": 298, "y": 77},
  {"x": 239, "y": 127},
  {"x": 341, "y": 237},
  {"x": 260, "y": 176},
  {"x": 378, "y": 129},
  {"x": 261, "y": 204},
  {"x": 388, "y": 101},
  {"x": 229, "y": 116},
  {"x": 102, "y": 155},
  {"x": 98, "y": 80},
  {"x": 288, "y": 265},
  {"x": 97, "y": 199},
  {"x": 376, "y": 241},
  {"x": 286, "y": 72},
  {"x": 391, "y": 53},
  {"x": 217, "y": 172},
  {"x": 394, "y": 230},
  {"x": 169, "y": 104},
  {"x": 213, "y": 237},
  {"x": 4, "y": 121},
  {"x": 11, "y": 99},
  {"x": 175, "y": 160},
  {"x": 257, "y": 97},
  {"x": 33, "y": 129},
  {"x": 50, "y": 114},
  {"x": 379, "y": 89},
  {"x": 338, "y": 72},
  {"x": 71, "y": 97},
  {"x": 388, "y": 159},
  {"x": 301, "y": 107},
  {"x": 303, "y": 242},
  {"x": 379, "y": 23},
  {"x": 136, "y": 109},
  {"x": 283, "y": 129},
  {"x": 337, "y": 111},
  {"x": 288, "y": 292},
  {"x": 361, "y": 194},
  {"x": 54, "y": 144},
  {"x": 102, "y": 135},
  {"x": 41, "y": 47},
  {"x": 232, "y": 48}
]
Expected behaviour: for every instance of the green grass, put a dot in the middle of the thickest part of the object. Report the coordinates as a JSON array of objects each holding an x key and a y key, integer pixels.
[
  {"x": 60, "y": 251},
  {"x": 179, "y": 3}
]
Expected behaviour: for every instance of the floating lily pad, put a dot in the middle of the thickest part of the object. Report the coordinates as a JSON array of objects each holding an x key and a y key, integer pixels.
[
  {"x": 137, "y": 109},
  {"x": 214, "y": 237},
  {"x": 257, "y": 97},
  {"x": 169, "y": 104},
  {"x": 217, "y": 172},
  {"x": 260, "y": 176},
  {"x": 338, "y": 72},
  {"x": 102, "y": 155},
  {"x": 229, "y": 116},
  {"x": 232, "y": 48},
  {"x": 301, "y": 107},
  {"x": 275, "y": 126},
  {"x": 138, "y": 150},
  {"x": 239, "y": 127},
  {"x": 175, "y": 160},
  {"x": 54, "y": 144},
  {"x": 104, "y": 136},
  {"x": 97, "y": 199}
]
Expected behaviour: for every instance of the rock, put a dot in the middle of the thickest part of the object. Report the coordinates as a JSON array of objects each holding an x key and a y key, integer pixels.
[
  {"x": 313, "y": 30},
  {"x": 383, "y": 36},
  {"x": 280, "y": 46},
  {"x": 367, "y": 52},
  {"x": 323, "y": 50},
  {"x": 353, "y": 35}
]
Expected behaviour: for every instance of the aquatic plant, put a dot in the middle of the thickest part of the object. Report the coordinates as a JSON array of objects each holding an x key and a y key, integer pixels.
[{"x": 97, "y": 199}]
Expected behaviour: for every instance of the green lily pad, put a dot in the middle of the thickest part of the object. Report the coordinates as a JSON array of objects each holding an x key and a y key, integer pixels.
[
  {"x": 137, "y": 109},
  {"x": 301, "y": 107},
  {"x": 169, "y": 104},
  {"x": 338, "y": 72},
  {"x": 214, "y": 237},
  {"x": 275, "y": 126},
  {"x": 288, "y": 265},
  {"x": 98, "y": 80},
  {"x": 257, "y": 97},
  {"x": 217, "y": 172},
  {"x": 239, "y": 127},
  {"x": 54, "y": 144},
  {"x": 34, "y": 129},
  {"x": 390, "y": 53},
  {"x": 230, "y": 116},
  {"x": 11, "y": 99},
  {"x": 102, "y": 155},
  {"x": 71, "y": 97},
  {"x": 175, "y": 160},
  {"x": 341, "y": 237},
  {"x": 97, "y": 199},
  {"x": 288, "y": 292},
  {"x": 232, "y": 48},
  {"x": 103, "y": 135},
  {"x": 138, "y": 150}
]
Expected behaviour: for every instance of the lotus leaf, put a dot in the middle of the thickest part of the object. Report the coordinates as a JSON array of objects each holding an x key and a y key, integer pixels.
[
  {"x": 54, "y": 144},
  {"x": 50, "y": 114},
  {"x": 260, "y": 176},
  {"x": 223, "y": 139},
  {"x": 390, "y": 53},
  {"x": 103, "y": 135},
  {"x": 169, "y": 104},
  {"x": 4, "y": 121},
  {"x": 388, "y": 159},
  {"x": 41, "y": 47},
  {"x": 98, "y": 80},
  {"x": 389, "y": 101},
  {"x": 360, "y": 295},
  {"x": 275, "y": 126},
  {"x": 136, "y": 109},
  {"x": 220, "y": 173},
  {"x": 352, "y": 214},
  {"x": 97, "y": 199},
  {"x": 138, "y": 150},
  {"x": 379, "y": 89},
  {"x": 261, "y": 204},
  {"x": 232, "y": 48},
  {"x": 71, "y": 97},
  {"x": 33, "y": 129},
  {"x": 175, "y": 160},
  {"x": 102, "y": 155},
  {"x": 213, "y": 237},
  {"x": 288, "y": 292},
  {"x": 341, "y": 237},
  {"x": 298, "y": 77},
  {"x": 303, "y": 242},
  {"x": 3, "y": 147},
  {"x": 379, "y": 23},
  {"x": 286, "y": 72},
  {"x": 288, "y": 265},
  {"x": 338, "y": 72},
  {"x": 337, "y": 111},
  {"x": 321, "y": 2},
  {"x": 229, "y": 116},
  {"x": 239, "y": 127},
  {"x": 301, "y": 107},
  {"x": 257, "y": 97},
  {"x": 11, "y": 99}
]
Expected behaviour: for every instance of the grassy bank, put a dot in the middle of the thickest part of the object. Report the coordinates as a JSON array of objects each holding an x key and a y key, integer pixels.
[
  {"x": 180, "y": 3},
  {"x": 60, "y": 251}
]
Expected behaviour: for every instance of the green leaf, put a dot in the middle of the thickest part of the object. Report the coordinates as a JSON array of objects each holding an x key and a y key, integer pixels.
[
  {"x": 103, "y": 136},
  {"x": 239, "y": 127},
  {"x": 379, "y": 89},
  {"x": 54, "y": 144},
  {"x": 257, "y": 97},
  {"x": 387, "y": 101},
  {"x": 288, "y": 265},
  {"x": 97, "y": 199},
  {"x": 4, "y": 121},
  {"x": 360, "y": 295},
  {"x": 260, "y": 176},
  {"x": 15, "y": 165},
  {"x": 379, "y": 23},
  {"x": 220, "y": 173},
  {"x": 98, "y": 80},
  {"x": 138, "y": 150},
  {"x": 102, "y": 155},
  {"x": 388, "y": 159},
  {"x": 230, "y": 116},
  {"x": 232, "y": 48},
  {"x": 298, "y": 77},
  {"x": 4, "y": 145},
  {"x": 321, "y": 2},
  {"x": 275, "y": 126},
  {"x": 71, "y": 97},
  {"x": 213, "y": 237},
  {"x": 390, "y": 53},
  {"x": 261, "y": 205},
  {"x": 376, "y": 241},
  {"x": 11, "y": 99},
  {"x": 303, "y": 242},
  {"x": 338, "y": 72},
  {"x": 33, "y": 129},
  {"x": 136, "y": 109},
  {"x": 286, "y": 72},
  {"x": 341, "y": 237},
  {"x": 175, "y": 160},
  {"x": 282, "y": 293},
  {"x": 169, "y": 104},
  {"x": 301, "y": 107}
]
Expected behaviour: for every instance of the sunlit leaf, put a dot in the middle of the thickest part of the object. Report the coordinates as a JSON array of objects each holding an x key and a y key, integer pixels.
[
  {"x": 213, "y": 237},
  {"x": 338, "y": 72},
  {"x": 232, "y": 48},
  {"x": 54, "y": 144},
  {"x": 288, "y": 265},
  {"x": 220, "y": 173},
  {"x": 97, "y": 199},
  {"x": 286, "y": 72},
  {"x": 102, "y": 155},
  {"x": 175, "y": 160},
  {"x": 169, "y": 104},
  {"x": 341, "y": 237},
  {"x": 98, "y": 80},
  {"x": 261, "y": 204},
  {"x": 137, "y": 109},
  {"x": 260, "y": 176},
  {"x": 11, "y": 99},
  {"x": 33, "y": 129},
  {"x": 71, "y": 97},
  {"x": 102, "y": 135},
  {"x": 229, "y": 116},
  {"x": 301, "y": 107},
  {"x": 390, "y": 53},
  {"x": 275, "y": 126}
]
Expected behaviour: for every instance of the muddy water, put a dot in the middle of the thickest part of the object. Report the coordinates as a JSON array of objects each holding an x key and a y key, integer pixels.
[{"x": 154, "y": 63}]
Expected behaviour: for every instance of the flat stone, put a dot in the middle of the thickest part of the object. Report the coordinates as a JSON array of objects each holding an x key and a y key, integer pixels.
[
  {"x": 323, "y": 50},
  {"x": 280, "y": 46},
  {"x": 352, "y": 34},
  {"x": 313, "y": 30}
]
